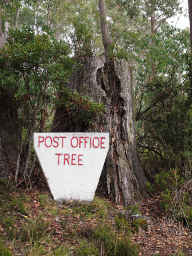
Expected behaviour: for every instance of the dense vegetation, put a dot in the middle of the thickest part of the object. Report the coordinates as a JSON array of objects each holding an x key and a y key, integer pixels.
[{"x": 45, "y": 46}]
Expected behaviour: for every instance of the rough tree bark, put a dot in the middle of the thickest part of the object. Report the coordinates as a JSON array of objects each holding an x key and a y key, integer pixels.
[{"x": 125, "y": 174}]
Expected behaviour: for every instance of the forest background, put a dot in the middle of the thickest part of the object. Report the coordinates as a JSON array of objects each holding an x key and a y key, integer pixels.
[{"x": 116, "y": 66}]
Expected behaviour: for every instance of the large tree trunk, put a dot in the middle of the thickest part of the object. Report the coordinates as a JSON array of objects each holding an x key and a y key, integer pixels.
[
  {"x": 125, "y": 174},
  {"x": 125, "y": 177},
  {"x": 108, "y": 81},
  {"x": 122, "y": 177}
]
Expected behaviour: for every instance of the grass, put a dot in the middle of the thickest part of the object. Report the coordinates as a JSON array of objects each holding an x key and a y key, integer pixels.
[
  {"x": 32, "y": 224},
  {"x": 3, "y": 250}
]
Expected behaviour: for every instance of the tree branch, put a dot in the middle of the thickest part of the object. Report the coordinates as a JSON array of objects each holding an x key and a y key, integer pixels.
[{"x": 107, "y": 41}]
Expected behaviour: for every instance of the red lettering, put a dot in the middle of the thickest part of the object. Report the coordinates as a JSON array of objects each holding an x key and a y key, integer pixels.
[
  {"x": 48, "y": 137},
  {"x": 73, "y": 158},
  {"x": 55, "y": 140},
  {"x": 81, "y": 141},
  {"x": 58, "y": 157},
  {"x": 102, "y": 142},
  {"x": 40, "y": 140},
  {"x": 95, "y": 146},
  {"x": 63, "y": 138},
  {"x": 66, "y": 158},
  {"x": 85, "y": 141},
  {"x": 72, "y": 145},
  {"x": 80, "y": 159}
]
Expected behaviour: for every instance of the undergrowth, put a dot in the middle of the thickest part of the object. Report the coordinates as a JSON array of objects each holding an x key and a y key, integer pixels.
[
  {"x": 175, "y": 195},
  {"x": 32, "y": 224}
]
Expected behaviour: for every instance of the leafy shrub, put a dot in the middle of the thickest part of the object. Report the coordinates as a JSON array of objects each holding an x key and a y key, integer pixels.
[
  {"x": 79, "y": 111},
  {"x": 164, "y": 136},
  {"x": 175, "y": 195},
  {"x": 165, "y": 181},
  {"x": 32, "y": 69}
]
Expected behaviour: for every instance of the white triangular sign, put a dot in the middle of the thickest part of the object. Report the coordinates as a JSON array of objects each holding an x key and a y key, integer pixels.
[{"x": 72, "y": 162}]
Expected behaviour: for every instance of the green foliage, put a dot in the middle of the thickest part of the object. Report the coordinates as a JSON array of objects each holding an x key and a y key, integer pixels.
[
  {"x": 32, "y": 70},
  {"x": 35, "y": 250},
  {"x": 122, "y": 224},
  {"x": 175, "y": 195},
  {"x": 134, "y": 209},
  {"x": 81, "y": 24},
  {"x": 8, "y": 224},
  {"x": 32, "y": 60},
  {"x": 166, "y": 182},
  {"x": 139, "y": 223},
  {"x": 179, "y": 253},
  {"x": 44, "y": 200},
  {"x": 114, "y": 246},
  {"x": 33, "y": 230},
  {"x": 85, "y": 210},
  {"x": 163, "y": 108},
  {"x": 104, "y": 235},
  {"x": 44, "y": 234},
  {"x": 166, "y": 198},
  {"x": 79, "y": 110},
  {"x": 35, "y": 58},
  {"x": 87, "y": 249},
  {"x": 61, "y": 251},
  {"x": 165, "y": 141},
  {"x": 165, "y": 8},
  {"x": 3, "y": 250},
  {"x": 18, "y": 205},
  {"x": 124, "y": 247}
]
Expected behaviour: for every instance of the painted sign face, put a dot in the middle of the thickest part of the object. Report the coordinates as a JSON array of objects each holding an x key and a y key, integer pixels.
[{"x": 72, "y": 162}]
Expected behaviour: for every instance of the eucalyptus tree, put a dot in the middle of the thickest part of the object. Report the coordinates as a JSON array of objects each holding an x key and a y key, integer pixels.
[
  {"x": 108, "y": 82},
  {"x": 135, "y": 30},
  {"x": 125, "y": 174},
  {"x": 156, "y": 51}
]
